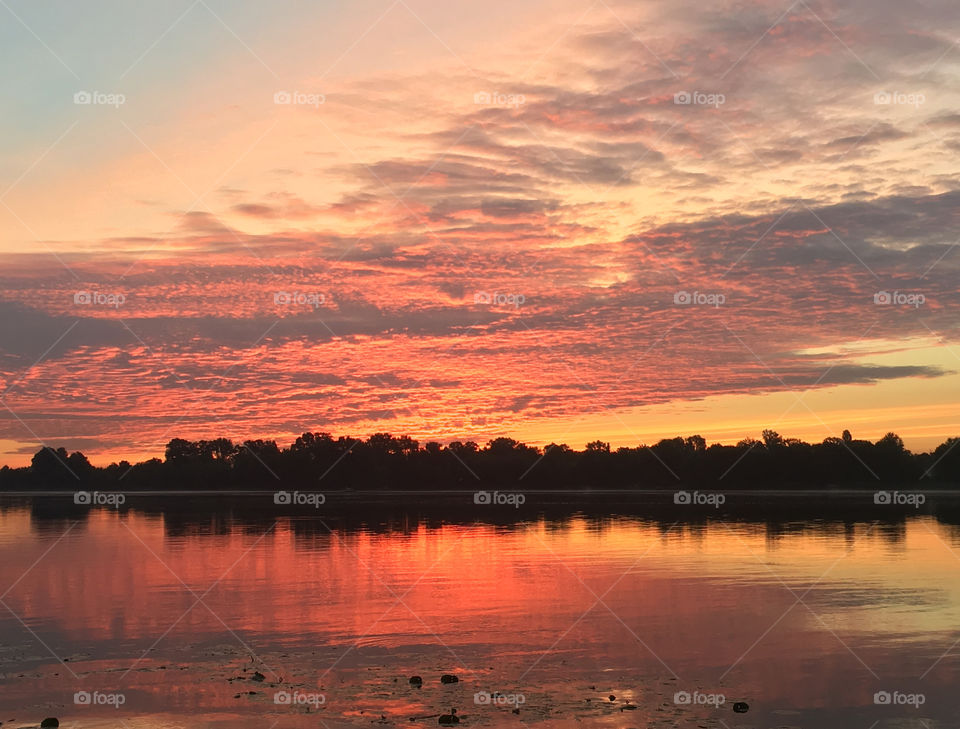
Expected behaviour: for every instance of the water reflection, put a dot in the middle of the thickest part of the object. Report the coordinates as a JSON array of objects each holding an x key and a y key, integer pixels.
[{"x": 803, "y": 618}]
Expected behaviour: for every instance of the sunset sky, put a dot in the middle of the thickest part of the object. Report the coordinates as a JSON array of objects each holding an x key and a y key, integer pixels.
[{"x": 554, "y": 220}]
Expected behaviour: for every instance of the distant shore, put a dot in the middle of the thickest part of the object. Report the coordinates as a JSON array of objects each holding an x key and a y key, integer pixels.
[{"x": 322, "y": 462}]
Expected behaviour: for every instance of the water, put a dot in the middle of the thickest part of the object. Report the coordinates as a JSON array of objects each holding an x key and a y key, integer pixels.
[{"x": 172, "y": 611}]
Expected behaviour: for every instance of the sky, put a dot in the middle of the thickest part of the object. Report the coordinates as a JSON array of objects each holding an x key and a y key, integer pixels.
[{"x": 556, "y": 221}]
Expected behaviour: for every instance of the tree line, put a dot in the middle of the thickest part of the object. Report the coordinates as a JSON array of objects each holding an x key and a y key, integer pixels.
[{"x": 384, "y": 461}]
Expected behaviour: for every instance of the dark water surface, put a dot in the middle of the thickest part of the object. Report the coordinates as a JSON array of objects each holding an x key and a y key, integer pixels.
[{"x": 805, "y": 608}]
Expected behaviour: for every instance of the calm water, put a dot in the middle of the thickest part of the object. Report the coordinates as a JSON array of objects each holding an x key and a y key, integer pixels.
[{"x": 173, "y": 613}]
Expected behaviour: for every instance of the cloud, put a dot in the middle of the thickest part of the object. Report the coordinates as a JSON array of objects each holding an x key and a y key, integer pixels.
[{"x": 781, "y": 185}]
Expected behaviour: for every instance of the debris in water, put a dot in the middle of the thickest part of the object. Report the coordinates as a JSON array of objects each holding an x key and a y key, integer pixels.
[{"x": 449, "y": 719}]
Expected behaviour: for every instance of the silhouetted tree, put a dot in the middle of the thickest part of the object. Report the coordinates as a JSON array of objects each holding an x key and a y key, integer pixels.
[
  {"x": 772, "y": 439},
  {"x": 598, "y": 446},
  {"x": 946, "y": 461},
  {"x": 51, "y": 467}
]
